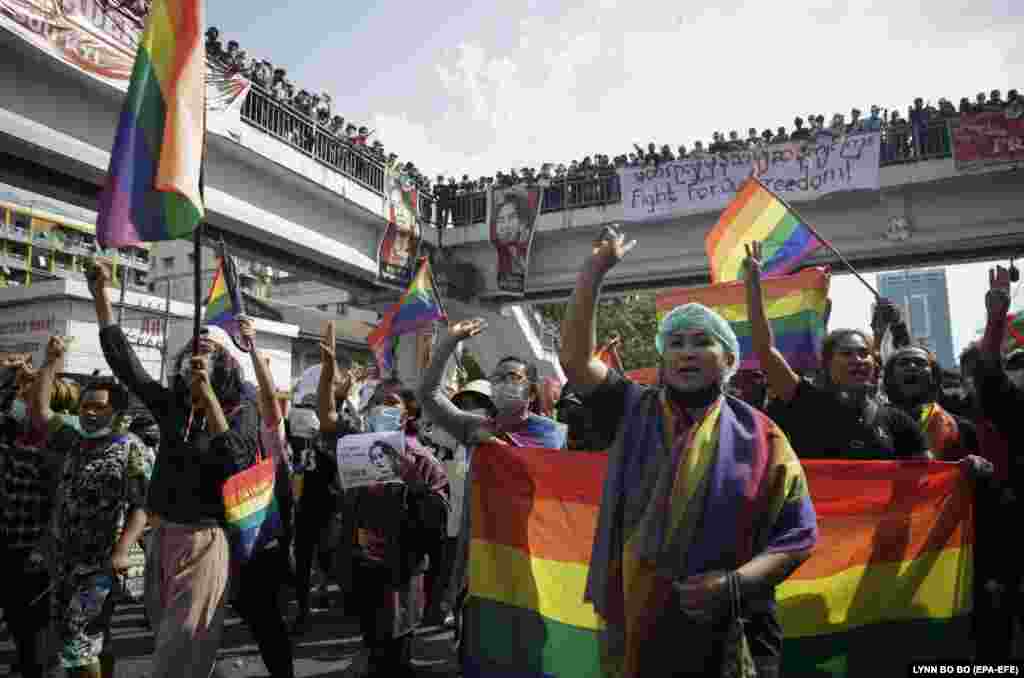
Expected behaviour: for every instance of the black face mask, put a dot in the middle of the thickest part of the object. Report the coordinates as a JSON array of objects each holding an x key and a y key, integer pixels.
[{"x": 693, "y": 400}]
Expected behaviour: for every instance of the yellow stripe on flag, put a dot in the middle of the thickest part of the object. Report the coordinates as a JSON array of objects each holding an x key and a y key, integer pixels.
[
  {"x": 510, "y": 576},
  {"x": 878, "y": 593}
]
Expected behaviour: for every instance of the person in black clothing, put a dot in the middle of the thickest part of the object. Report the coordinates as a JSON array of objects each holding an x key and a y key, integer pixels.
[
  {"x": 208, "y": 432},
  {"x": 841, "y": 418},
  {"x": 320, "y": 503},
  {"x": 1000, "y": 400}
]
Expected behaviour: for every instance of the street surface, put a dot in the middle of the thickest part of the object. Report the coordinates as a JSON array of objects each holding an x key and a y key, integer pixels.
[{"x": 326, "y": 651}]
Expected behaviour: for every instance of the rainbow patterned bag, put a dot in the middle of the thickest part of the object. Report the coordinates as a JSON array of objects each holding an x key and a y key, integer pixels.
[{"x": 251, "y": 513}]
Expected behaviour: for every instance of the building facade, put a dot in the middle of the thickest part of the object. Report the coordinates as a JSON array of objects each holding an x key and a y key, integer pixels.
[{"x": 924, "y": 298}]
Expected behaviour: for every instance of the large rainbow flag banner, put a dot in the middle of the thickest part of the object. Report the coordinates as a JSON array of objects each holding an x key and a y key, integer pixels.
[
  {"x": 758, "y": 214},
  {"x": 795, "y": 306},
  {"x": 889, "y": 582},
  {"x": 153, "y": 189},
  {"x": 419, "y": 306}
]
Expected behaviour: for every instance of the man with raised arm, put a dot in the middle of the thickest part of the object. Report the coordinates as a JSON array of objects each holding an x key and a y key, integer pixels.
[{"x": 681, "y": 543}]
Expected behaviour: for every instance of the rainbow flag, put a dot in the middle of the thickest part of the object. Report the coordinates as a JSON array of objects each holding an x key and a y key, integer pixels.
[
  {"x": 758, "y": 214},
  {"x": 795, "y": 306},
  {"x": 889, "y": 582},
  {"x": 534, "y": 515},
  {"x": 891, "y": 578},
  {"x": 419, "y": 306},
  {"x": 251, "y": 513},
  {"x": 153, "y": 189},
  {"x": 224, "y": 303}
]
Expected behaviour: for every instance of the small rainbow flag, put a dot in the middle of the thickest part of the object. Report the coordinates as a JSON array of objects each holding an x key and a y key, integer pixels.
[
  {"x": 419, "y": 306},
  {"x": 893, "y": 567},
  {"x": 224, "y": 303},
  {"x": 794, "y": 304},
  {"x": 153, "y": 189},
  {"x": 757, "y": 214}
]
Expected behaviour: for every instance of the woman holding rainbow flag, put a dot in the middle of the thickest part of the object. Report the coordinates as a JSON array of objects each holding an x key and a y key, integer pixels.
[{"x": 705, "y": 506}]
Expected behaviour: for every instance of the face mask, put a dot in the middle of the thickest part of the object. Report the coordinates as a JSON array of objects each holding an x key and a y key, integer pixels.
[
  {"x": 94, "y": 426},
  {"x": 512, "y": 398},
  {"x": 384, "y": 418},
  {"x": 1016, "y": 378},
  {"x": 19, "y": 410}
]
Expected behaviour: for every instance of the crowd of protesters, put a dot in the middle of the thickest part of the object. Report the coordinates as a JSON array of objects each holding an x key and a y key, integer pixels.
[{"x": 83, "y": 479}]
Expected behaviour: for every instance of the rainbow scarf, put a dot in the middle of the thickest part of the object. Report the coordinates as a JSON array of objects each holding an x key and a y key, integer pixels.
[
  {"x": 794, "y": 304},
  {"x": 942, "y": 432},
  {"x": 757, "y": 214},
  {"x": 153, "y": 190}
]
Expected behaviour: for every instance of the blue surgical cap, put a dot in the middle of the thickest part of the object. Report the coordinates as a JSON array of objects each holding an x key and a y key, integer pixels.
[{"x": 697, "y": 316}]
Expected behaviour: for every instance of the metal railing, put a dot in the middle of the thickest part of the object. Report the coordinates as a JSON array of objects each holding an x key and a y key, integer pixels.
[
  {"x": 900, "y": 144},
  {"x": 278, "y": 119}
]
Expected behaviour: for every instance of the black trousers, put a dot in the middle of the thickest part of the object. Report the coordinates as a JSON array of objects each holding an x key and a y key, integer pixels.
[
  {"x": 371, "y": 596},
  {"x": 258, "y": 603},
  {"x": 26, "y": 608},
  {"x": 312, "y": 517}
]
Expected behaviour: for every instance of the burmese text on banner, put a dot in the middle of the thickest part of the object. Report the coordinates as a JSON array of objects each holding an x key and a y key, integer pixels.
[
  {"x": 97, "y": 40},
  {"x": 512, "y": 219},
  {"x": 894, "y": 561},
  {"x": 794, "y": 171},
  {"x": 399, "y": 248},
  {"x": 985, "y": 139}
]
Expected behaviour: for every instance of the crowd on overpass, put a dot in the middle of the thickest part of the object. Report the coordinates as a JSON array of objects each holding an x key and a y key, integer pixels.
[{"x": 398, "y": 551}]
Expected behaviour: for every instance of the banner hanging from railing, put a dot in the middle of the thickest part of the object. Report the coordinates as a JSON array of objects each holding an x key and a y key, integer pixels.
[
  {"x": 794, "y": 171},
  {"x": 399, "y": 248},
  {"x": 986, "y": 139},
  {"x": 512, "y": 218},
  {"x": 102, "y": 42}
]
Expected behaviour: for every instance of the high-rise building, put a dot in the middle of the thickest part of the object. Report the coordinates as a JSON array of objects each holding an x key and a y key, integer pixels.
[{"x": 924, "y": 298}]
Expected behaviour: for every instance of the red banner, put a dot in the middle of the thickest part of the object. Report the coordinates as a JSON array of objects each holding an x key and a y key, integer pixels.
[{"x": 986, "y": 139}]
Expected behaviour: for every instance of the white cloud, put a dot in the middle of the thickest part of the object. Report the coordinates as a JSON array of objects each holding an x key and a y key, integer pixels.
[{"x": 604, "y": 74}]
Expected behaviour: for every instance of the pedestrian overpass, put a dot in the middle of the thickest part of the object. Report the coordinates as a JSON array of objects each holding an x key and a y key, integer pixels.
[{"x": 314, "y": 207}]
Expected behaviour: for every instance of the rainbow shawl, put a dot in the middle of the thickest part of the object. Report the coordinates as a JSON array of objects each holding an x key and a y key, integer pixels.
[{"x": 736, "y": 489}]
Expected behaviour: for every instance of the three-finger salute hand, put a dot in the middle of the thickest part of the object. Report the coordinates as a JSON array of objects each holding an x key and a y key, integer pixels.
[{"x": 610, "y": 247}]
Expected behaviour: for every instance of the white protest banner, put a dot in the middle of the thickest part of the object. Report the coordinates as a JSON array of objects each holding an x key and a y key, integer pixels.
[
  {"x": 794, "y": 171},
  {"x": 368, "y": 459}
]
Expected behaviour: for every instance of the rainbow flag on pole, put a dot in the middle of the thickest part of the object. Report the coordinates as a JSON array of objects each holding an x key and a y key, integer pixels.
[
  {"x": 224, "y": 303},
  {"x": 419, "y": 306},
  {"x": 795, "y": 306},
  {"x": 758, "y": 214},
  {"x": 889, "y": 582},
  {"x": 153, "y": 189}
]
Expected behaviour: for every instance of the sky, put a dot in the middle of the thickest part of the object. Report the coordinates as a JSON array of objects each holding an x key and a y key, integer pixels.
[{"x": 462, "y": 88}]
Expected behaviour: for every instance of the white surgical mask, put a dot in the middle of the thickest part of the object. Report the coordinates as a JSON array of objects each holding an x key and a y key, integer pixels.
[
  {"x": 512, "y": 399},
  {"x": 384, "y": 418}
]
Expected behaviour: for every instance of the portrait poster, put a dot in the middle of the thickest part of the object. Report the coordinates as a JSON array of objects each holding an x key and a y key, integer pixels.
[
  {"x": 399, "y": 249},
  {"x": 369, "y": 459},
  {"x": 512, "y": 221}
]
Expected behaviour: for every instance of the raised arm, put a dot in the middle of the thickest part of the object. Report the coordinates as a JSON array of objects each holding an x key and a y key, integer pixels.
[
  {"x": 887, "y": 316},
  {"x": 261, "y": 366},
  {"x": 583, "y": 370},
  {"x": 465, "y": 427},
  {"x": 42, "y": 389},
  {"x": 327, "y": 409},
  {"x": 119, "y": 354},
  {"x": 781, "y": 377}
]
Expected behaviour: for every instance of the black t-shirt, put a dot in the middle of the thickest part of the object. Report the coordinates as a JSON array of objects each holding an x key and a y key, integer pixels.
[{"x": 820, "y": 426}]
